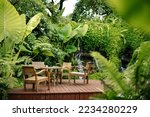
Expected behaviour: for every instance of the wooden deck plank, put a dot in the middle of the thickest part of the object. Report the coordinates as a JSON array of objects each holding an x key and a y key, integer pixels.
[{"x": 64, "y": 91}]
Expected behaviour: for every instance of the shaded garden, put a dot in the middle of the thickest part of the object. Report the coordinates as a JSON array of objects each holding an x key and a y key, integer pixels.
[{"x": 122, "y": 59}]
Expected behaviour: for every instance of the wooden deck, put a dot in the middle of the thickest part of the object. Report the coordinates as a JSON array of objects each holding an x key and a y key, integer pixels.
[{"x": 64, "y": 91}]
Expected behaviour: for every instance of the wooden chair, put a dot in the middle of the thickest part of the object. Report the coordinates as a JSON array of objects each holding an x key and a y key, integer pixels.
[
  {"x": 30, "y": 76},
  {"x": 39, "y": 65},
  {"x": 84, "y": 74},
  {"x": 66, "y": 69}
]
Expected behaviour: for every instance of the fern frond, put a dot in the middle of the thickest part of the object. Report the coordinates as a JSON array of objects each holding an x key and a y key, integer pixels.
[{"x": 113, "y": 77}]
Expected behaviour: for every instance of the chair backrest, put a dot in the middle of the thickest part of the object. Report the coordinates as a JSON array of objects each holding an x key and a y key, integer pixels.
[
  {"x": 38, "y": 64},
  {"x": 28, "y": 71},
  {"x": 66, "y": 66},
  {"x": 88, "y": 67}
]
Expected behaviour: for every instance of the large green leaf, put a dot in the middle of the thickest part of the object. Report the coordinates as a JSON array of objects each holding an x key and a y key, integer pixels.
[
  {"x": 24, "y": 49},
  {"x": 68, "y": 33},
  {"x": 11, "y": 24},
  {"x": 136, "y": 12},
  {"x": 33, "y": 22},
  {"x": 66, "y": 30},
  {"x": 82, "y": 30},
  {"x": 70, "y": 49}
]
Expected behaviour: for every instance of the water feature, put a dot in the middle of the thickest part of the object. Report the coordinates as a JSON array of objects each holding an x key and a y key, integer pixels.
[
  {"x": 80, "y": 65},
  {"x": 97, "y": 65}
]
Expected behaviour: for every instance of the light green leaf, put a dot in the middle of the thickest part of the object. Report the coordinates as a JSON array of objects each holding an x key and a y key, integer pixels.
[
  {"x": 66, "y": 30},
  {"x": 70, "y": 49},
  {"x": 82, "y": 30},
  {"x": 11, "y": 24},
  {"x": 136, "y": 12},
  {"x": 24, "y": 49},
  {"x": 23, "y": 20},
  {"x": 36, "y": 51},
  {"x": 73, "y": 33},
  {"x": 68, "y": 33},
  {"x": 48, "y": 53},
  {"x": 33, "y": 22}
]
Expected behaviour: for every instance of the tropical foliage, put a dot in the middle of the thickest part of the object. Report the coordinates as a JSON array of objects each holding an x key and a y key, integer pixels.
[
  {"x": 133, "y": 83},
  {"x": 60, "y": 35},
  {"x": 132, "y": 11},
  {"x": 13, "y": 30},
  {"x": 41, "y": 33},
  {"x": 114, "y": 38}
]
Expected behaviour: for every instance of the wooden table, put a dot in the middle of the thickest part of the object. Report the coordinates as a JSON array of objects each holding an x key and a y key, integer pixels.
[{"x": 55, "y": 70}]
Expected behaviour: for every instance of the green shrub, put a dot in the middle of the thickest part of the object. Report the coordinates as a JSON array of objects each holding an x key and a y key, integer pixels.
[{"x": 106, "y": 38}]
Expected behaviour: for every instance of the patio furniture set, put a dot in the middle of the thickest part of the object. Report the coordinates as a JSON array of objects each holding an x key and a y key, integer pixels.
[{"x": 38, "y": 73}]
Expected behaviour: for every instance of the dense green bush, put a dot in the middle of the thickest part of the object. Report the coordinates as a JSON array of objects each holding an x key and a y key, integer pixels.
[
  {"x": 114, "y": 38},
  {"x": 106, "y": 38}
]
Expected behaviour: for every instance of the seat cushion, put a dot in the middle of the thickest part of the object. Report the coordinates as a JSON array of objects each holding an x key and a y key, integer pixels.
[
  {"x": 77, "y": 73},
  {"x": 39, "y": 78}
]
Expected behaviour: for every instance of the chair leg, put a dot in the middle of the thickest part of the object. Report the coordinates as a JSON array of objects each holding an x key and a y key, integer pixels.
[
  {"x": 54, "y": 81},
  {"x": 48, "y": 84},
  {"x": 33, "y": 86},
  {"x": 25, "y": 86},
  {"x": 84, "y": 81},
  {"x": 57, "y": 80},
  {"x": 60, "y": 79},
  {"x": 87, "y": 79},
  {"x": 36, "y": 87},
  {"x": 49, "y": 80},
  {"x": 84, "y": 77},
  {"x": 74, "y": 79},
  {"x": 69, "y": 77}
]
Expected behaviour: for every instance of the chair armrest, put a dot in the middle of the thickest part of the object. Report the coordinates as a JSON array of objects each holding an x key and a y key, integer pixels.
[
  {"x": 76, "y": 68},
  {"x": 40, "y": 72},
  {"x": 65, "y": 68}
]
